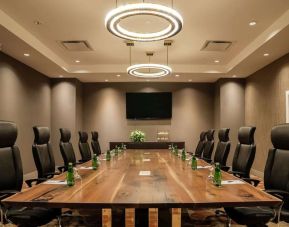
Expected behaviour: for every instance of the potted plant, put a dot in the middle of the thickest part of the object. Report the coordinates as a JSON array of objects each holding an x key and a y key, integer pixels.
[{"x": 137, "y": 136}]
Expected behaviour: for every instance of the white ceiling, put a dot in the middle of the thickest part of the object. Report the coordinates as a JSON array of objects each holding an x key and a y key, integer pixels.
[{"x": 203, "y": 20}]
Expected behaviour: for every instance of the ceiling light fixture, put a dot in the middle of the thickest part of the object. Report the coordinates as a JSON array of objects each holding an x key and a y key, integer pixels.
[
  {"x": 77, "y": 61},
  {"x": 149, "y": 70},
  {"x": 190, "y": 80},
  {"x": 26, "y": 55},
  {"x": 177, "y": 75},
  {"x": 118, "y": 75},
  {"x": 252, "y": 23},
  {"x": 234, "y": 76},
  {"x": 115, "y": 16},
  {"x": 106, "y": 80},
  {"x": 216, "y": 61},
  {"x": 266, "y": 55}
]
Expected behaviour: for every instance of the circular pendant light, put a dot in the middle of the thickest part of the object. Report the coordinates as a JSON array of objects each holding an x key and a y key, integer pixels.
[
  {"x": 114, "y": 17},
  {"x": 158, "y": 70}
]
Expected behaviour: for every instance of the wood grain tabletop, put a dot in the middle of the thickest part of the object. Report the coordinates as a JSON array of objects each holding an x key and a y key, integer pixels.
[{"x": 146, "y": 179}]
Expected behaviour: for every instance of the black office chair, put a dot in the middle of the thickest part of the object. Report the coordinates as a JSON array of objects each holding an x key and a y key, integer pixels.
[
  {"x": 66, "y": 148},
  {"x": 11, "y": 180},
  {"x": 223, "y": 147},
  {"x": 201, "y": 144},
  {"x": 95, "y": 143},
  {"x": 84, "y": 147},
  {"x": 244, "y": 154},
  {"x": 276, "y": 182},
  {"x": 43, "y": 153},
  {"x": 209, "y": 146}
]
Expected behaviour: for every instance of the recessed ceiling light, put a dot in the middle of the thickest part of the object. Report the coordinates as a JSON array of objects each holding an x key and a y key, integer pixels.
[
  {"x": 26, "y": 55},
  {"x": 177, "y": 75},
  {"x": 266, "y": 55},
  {"x": 234, "y": 76},
  {"x": 77, "y": 61},
  {"x": 106, "y": 80},
  {"x": 148, "y": 80},
  {"x": 60, "y": 76},
  {"x": 252, "y": 23},
  {"x": 118, "y": 75},
  {"x": 190, "y": 80},
  {"x": 216, "y": 61}
]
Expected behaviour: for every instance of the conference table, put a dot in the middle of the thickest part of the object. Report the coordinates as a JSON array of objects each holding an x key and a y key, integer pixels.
[{"x": 143, "y": 179}]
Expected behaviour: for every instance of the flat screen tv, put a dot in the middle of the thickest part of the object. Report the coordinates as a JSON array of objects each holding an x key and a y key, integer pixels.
[{"x": 147, "y": 106}]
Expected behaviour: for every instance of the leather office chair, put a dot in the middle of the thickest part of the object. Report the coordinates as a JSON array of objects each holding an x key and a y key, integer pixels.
[
  {"x": 223, "y": 147},
  {"x": 201, "y": 144},
  {"x": 276, "y": 182},
  {"x": 84, "y": 147},
  {"x": 209, "y": 146},
  {"x": 95, "y": 143},
  {"x": 66, "y": 147},
  {"x": 43, "y": 153},
  {"x": 11, "y": 180},
  {"x": 244, "y": 154}
]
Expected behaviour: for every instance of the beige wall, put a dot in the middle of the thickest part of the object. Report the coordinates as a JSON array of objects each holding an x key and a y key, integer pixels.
[
  {"x": 231, "y": 106},
  {"x": 65, "y": 113},
  {"x": 24, "y": 99},
  {"x": 104, "y": 111},
  {"x": 265, "y": 104}
]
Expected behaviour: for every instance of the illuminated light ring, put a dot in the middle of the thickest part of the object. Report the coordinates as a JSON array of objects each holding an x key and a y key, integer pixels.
[
  {"x": 163, "y": 70},
  {"x": 114, "y": 17}
]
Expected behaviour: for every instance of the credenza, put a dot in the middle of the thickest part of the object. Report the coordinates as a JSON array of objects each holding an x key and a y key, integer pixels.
[{"x": 147, "y": 145}]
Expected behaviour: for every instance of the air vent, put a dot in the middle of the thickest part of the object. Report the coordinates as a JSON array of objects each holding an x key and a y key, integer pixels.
[
  {"x": 76, "y": 45},
  {"x": 213, "y": 45}
]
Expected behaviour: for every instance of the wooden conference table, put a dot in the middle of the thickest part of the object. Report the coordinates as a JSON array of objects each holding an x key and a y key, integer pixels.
[{"x": 143, "y": 179}]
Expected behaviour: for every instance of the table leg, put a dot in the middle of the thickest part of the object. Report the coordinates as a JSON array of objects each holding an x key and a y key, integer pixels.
[
  {"x": 176, "y": 217},
  {"x": 106, "y": 217},
  {"x": 129, "y": 217},
  {"x": 153, "y": 217}
]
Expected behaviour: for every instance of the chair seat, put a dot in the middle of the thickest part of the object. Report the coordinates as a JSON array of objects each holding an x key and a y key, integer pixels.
[
  {"x": 250, "y": 215},
  {"x": 32, "y": 216}
]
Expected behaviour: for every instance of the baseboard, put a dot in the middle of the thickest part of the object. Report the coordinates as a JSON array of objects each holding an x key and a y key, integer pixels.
[
  {"x": 257, "y": 173},
  {"x": 30, "y": 175}
]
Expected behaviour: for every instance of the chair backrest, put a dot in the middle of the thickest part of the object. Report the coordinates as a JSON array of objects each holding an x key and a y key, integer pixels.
[
  {"x": 66, "y": 147},
  {"x": 84, "y": 146},
  {"x": 223, "y": 147},
  {"x": 245, "y": 151},
  {"x": 11, "y": 172},
  {"x": 276, "y": 174},
  {"x": 42, "y": 152},
  {"x": 95, "y": 143},
  {"x": 209, "y": 145},
  {"x": 201, "y": 144}
]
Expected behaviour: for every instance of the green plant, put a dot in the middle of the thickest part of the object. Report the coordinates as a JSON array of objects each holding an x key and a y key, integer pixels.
[{"x": 137, "y": 136}]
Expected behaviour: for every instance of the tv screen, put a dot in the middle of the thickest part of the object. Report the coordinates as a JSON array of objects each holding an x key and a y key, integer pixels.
[{"x": 156, "y": 105}]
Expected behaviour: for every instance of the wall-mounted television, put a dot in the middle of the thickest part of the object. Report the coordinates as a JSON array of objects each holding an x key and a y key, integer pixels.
[{"x": 148, "y": 106}]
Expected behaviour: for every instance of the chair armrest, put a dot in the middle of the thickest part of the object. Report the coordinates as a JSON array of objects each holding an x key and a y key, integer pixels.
[
  {"x": 61, "y": 169},
  {"x": 251, "y": 181},
  {"x": 6, "y": 193},
  {"x": 283, "y": 195},
  {"x": 237, "y": 173},
  {"x": 225, "y": 168},
  {"x": 36, "y": 180}
]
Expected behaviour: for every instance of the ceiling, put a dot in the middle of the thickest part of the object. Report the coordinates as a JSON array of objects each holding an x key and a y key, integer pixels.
[{"x": 37, "y": 27}]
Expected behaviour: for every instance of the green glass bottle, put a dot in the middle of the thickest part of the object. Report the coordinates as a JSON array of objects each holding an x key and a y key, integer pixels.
[
  {"x": 70, "y": 175},
  {"x": 94, "y": 162},
  {"x": 194, "y": 163},
  {"x": 184, "y": 154},
  {"x": 176, "y": 151},
  {"x": 217, "y": 175},
  {"x": 108, "y": 155}
]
